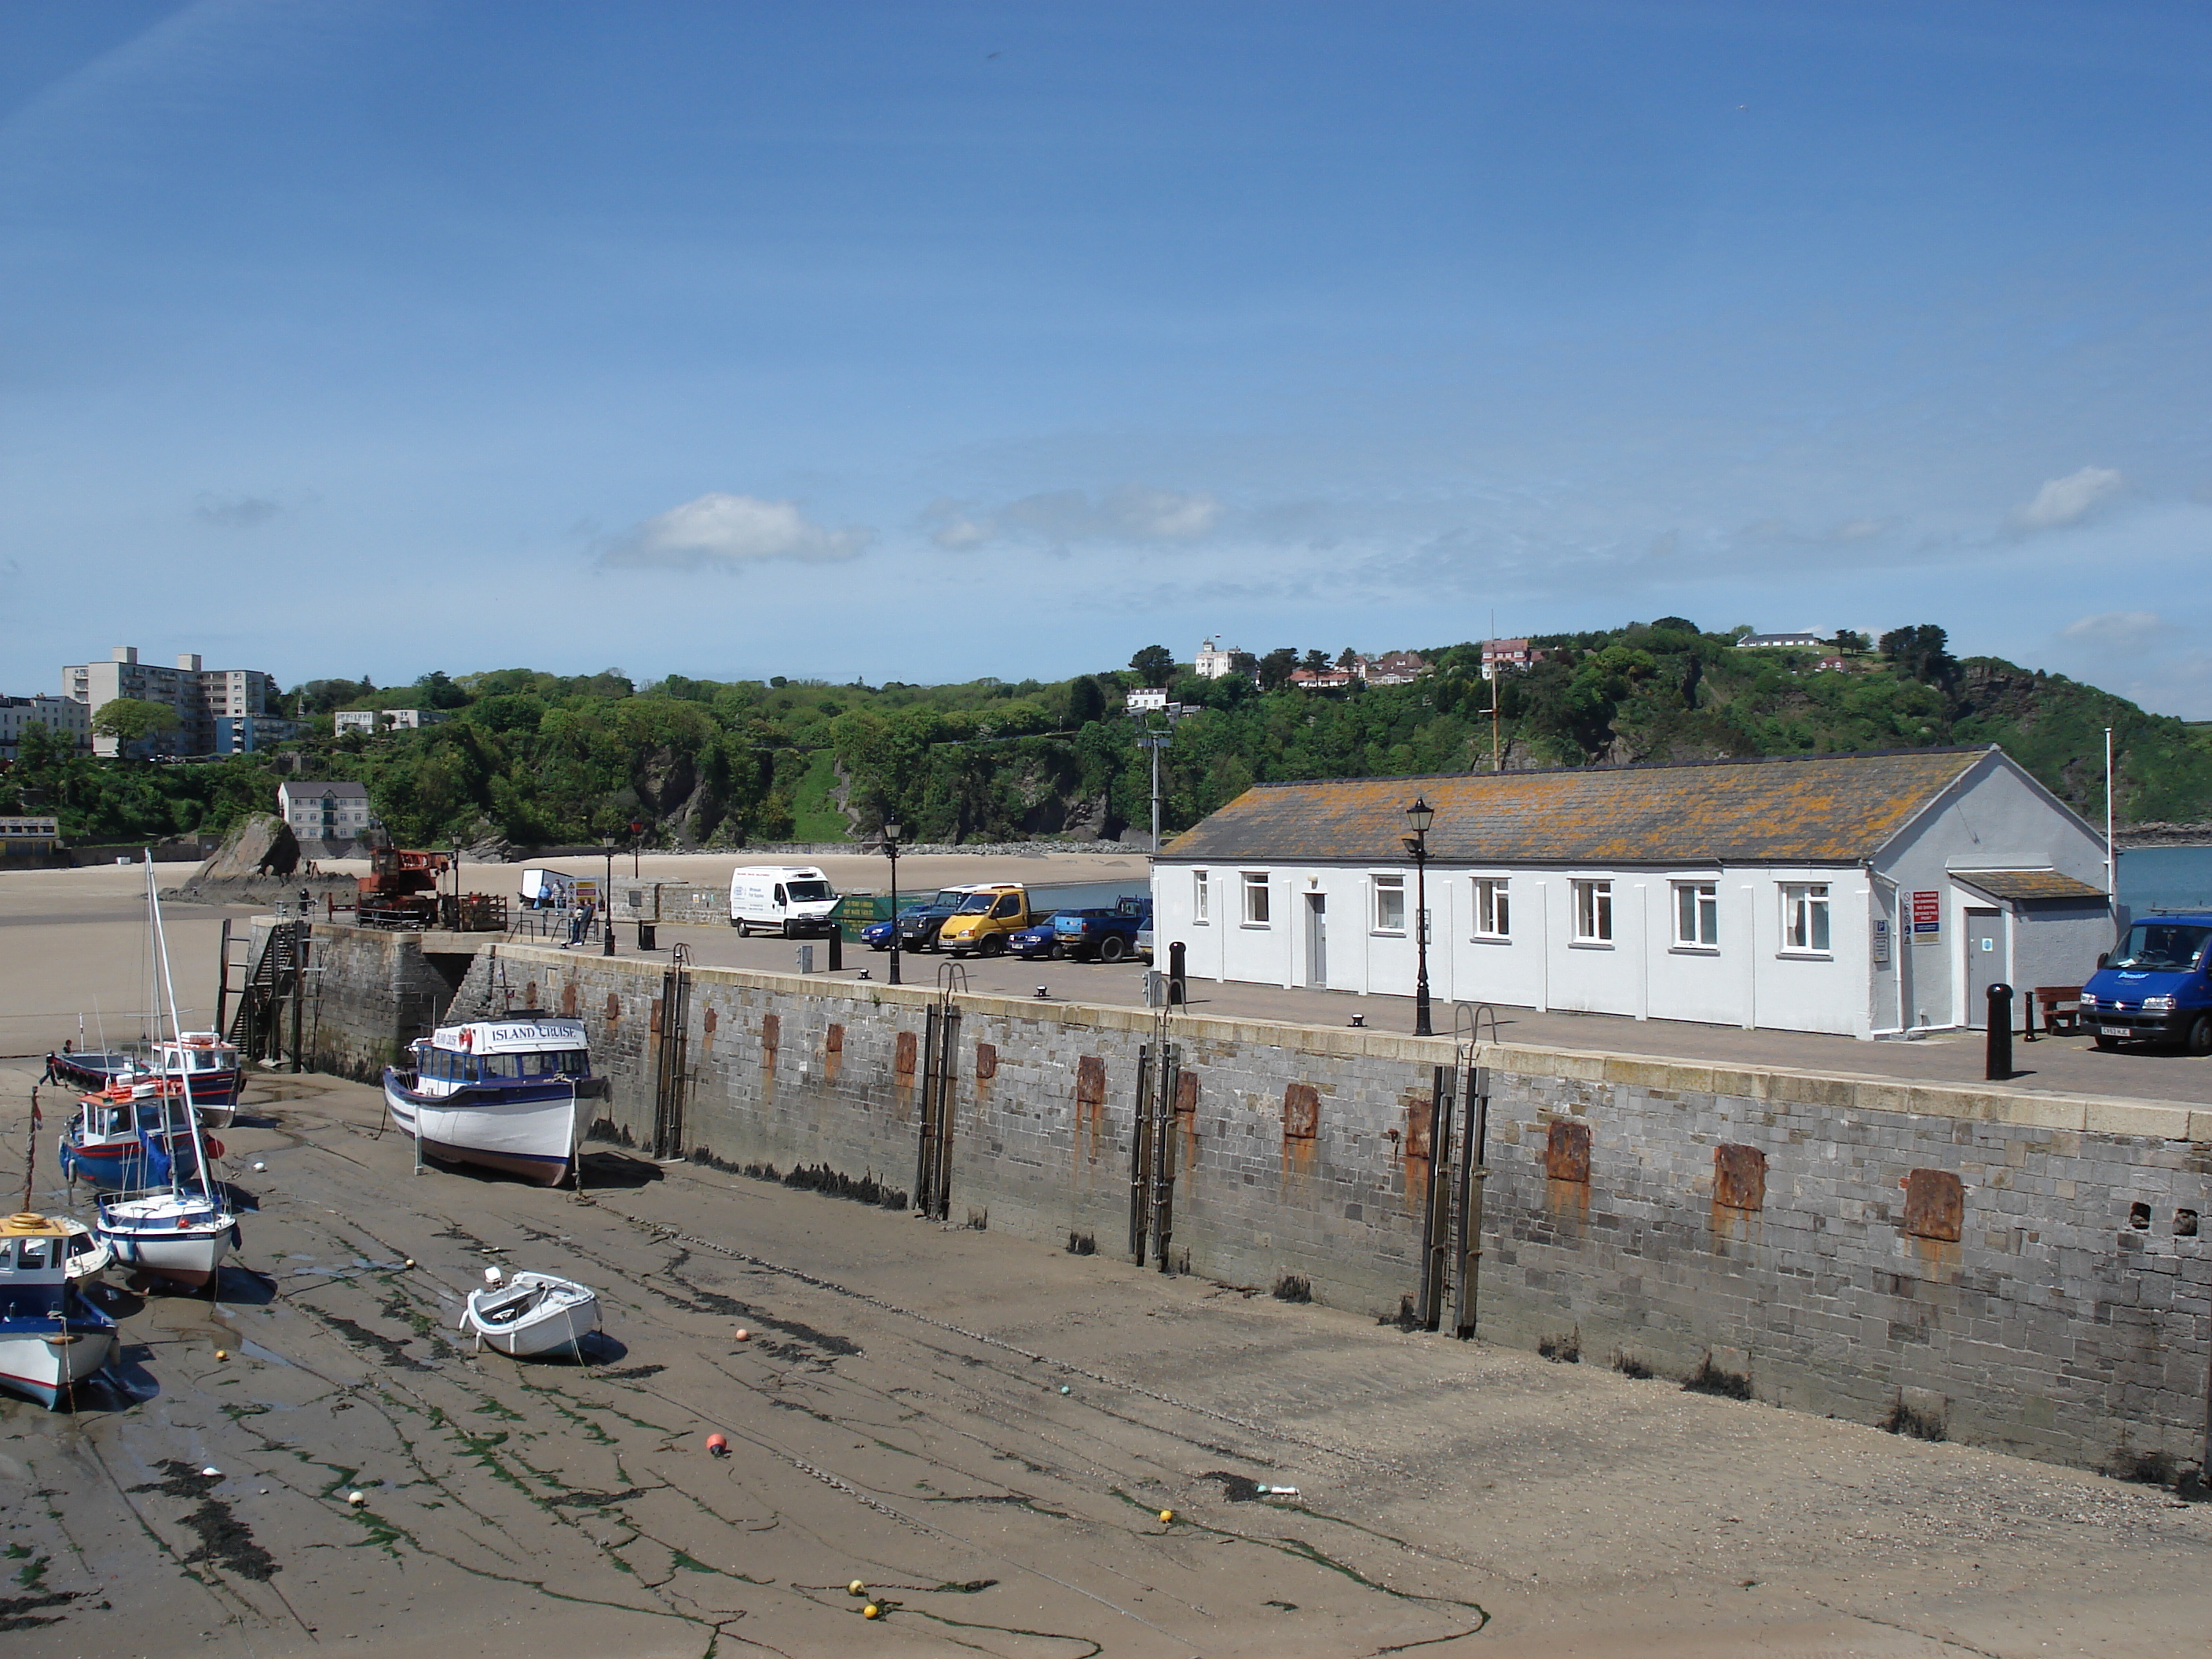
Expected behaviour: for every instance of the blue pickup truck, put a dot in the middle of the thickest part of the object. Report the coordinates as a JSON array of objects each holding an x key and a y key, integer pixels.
[
  {"x": 1103, "y": 934},
  {"x": 2156, "y": 986}
]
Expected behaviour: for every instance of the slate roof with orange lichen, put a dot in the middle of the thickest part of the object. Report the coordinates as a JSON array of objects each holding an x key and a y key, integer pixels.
[
  {"x": 2028, "y": 885},
  {"x": 1811, "y": 809}
]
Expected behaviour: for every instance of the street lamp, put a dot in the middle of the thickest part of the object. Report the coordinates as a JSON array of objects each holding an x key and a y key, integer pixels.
[
  {"x": 891, "y": 834},
  {"x": 607, "y": 901},
  {"x": 1420, "y": 816}
]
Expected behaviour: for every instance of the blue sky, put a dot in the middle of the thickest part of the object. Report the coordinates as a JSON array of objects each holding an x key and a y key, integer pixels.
[{"x": 922, "y": 341}]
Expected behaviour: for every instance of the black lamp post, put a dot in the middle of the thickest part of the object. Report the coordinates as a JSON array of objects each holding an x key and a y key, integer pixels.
[
  {"x": 892, "y": 833},
  {"x": 607, "y": 901},
  {"x": 1420, "y": 817}
]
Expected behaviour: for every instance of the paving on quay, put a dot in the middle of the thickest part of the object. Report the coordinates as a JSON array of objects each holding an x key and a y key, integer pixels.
[{"x": 982, "y": 1430}]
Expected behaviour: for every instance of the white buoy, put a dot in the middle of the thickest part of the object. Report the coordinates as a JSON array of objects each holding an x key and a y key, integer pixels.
[
  {"x": 491, "y": 1275},
  {"x": 210, "y": 1473},
  {"x": 356, "y": 1498}
]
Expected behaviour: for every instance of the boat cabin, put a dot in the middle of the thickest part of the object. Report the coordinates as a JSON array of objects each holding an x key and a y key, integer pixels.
[{"x": 521, "y": 1049}]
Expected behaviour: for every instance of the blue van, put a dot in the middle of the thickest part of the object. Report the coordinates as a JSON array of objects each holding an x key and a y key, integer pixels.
[{"x": 2153, "y": 986}]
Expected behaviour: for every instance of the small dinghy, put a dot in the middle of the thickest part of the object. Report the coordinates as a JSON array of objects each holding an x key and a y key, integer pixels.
[{"x": 532, "y": 1313}]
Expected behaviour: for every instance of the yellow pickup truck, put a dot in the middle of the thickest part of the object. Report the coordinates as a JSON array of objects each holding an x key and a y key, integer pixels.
[{"x": 984, "y": 920}]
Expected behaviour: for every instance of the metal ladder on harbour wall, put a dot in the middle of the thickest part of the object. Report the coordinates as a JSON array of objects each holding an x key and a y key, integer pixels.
[
  {"x": 1452, "y": 1217},
  {"x": 940, "y": 1066},
  {"x": 274, "y": 984},
  {"x": 1151, "y": 1147},
  {"x": 671, "y": 1073}
]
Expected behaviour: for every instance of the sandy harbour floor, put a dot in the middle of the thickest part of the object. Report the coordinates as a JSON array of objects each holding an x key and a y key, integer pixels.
[{"x": 984, "y": 1429}]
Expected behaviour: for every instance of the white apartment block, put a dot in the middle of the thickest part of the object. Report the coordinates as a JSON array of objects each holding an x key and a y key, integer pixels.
[
  {"x": 374, "y": 720},
  {"x": 201, "y": 695},
  {"x": 1215, "y": 661},
  {"x": 60, "y": 716},
  {"x": 324, "y": 812}
]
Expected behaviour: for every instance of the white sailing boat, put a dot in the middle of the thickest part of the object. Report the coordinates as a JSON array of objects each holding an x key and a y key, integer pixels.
[
  {"x": 532, "y": 1313},
  {"x": 183, "y": 1234}
]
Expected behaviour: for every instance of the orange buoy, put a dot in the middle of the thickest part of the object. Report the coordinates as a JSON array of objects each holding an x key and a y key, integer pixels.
[
  {"x": 718, "y": 1445},
  {"x": 743, "y": 1335}
]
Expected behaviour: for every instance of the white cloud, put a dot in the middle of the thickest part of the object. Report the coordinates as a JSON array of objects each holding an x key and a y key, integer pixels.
[
  {"x": 2118, "y": 630},
  {"x": 731, "y": 531},
  {"x": 2067, "y": 500},
  {"x": 236, "y": 512},
  {"x": 1133, "y": 512}
]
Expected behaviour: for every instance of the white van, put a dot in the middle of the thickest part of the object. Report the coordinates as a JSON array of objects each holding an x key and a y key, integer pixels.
[
  {"x": 548, "y": 889},
  {"x": 794, "y": 900}
]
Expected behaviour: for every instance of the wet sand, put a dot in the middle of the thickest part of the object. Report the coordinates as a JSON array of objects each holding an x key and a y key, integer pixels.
[{"x": 897, "y": 1416}]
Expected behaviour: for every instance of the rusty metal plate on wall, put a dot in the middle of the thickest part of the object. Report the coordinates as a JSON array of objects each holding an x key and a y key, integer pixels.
[
  {"x": 903, "y": 1054},
  {"x": 1300, "y": 1111},
  {"x": 1935, "y": 1204},
  {"x": 1739, "y": 1177},
  {"x": 986, "y": 1061},
  {"x": 771, "y": 1032},
  {"x": 1566, "y": 1151},
  {"x": 1089, "y": 1081},
  {"x": 1186, "y": 1100}
]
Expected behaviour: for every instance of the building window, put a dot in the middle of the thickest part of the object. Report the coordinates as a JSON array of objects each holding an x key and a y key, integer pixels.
[
  {"x": 1255, "y": 898},
  {"x": 1805, "y": 917},
  {"x": 1390, "y": 904},
  {"x": 1593, "y": 912},
  {"x": 1201, "y": 897},
  {"x": 1697, "y": 914},
  {"x": 1492, "y": 908}
]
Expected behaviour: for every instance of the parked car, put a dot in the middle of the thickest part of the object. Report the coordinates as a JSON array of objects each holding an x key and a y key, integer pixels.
[
  {"x": 917, "y": 925},
  {"x": 1038, "y": 944},
  {"x": 2156, "y": 986}
]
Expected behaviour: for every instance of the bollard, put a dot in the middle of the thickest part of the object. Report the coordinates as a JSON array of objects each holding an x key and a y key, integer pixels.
[
  {"x": 646, "y": 936},
  {"x": 837, "y": 947},
  {"x": 806, "y": 958},
  {"x": 1999, "y": 1067},
  {"x": 1178, "y": 987}
]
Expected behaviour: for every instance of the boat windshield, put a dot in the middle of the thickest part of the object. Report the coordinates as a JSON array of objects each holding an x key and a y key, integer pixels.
[
  {"x": 809, "y": 892},
  {"x": 2161, "y": 947},
  {"x": 445, "y": 1066}
]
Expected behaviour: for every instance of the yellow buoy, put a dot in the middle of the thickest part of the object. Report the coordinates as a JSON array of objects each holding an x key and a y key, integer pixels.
[
  {"x": 856, "y": 1588},
  {"x": 223, "y": 1354},
  {"x": 872, "y": 1611},
  {"x": 1167, "y": 1515}
]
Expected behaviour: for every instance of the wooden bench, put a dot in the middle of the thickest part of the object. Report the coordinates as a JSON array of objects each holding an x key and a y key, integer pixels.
[{"x": 2058, "y": 1007}]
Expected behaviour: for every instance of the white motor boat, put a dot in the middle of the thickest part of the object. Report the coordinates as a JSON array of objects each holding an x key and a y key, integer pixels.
[
  {"x": 533, "y": 1314},
  {"x": 498, "y": 1093},
  {"x": 51, "y": 1338}
]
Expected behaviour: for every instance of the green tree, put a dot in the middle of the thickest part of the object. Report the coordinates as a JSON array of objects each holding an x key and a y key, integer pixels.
[
  {"x": 133, "y": 721},
  {"x": 1922, "y": 653},
  {"x": 1086, "y": 701},
  {"x": 1274, "y": 669},
  {"x": 1153, "y": 665}
]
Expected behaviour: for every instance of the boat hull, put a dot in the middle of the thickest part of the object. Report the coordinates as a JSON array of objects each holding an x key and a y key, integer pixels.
[
  {"x": 155, "y": 1237},
  {"x": 45, "y": 1357},
  {"x": 216, "y": 1090},
  {"x": 121, "y": 1166},
  {"x": 526, "y": 1132}
]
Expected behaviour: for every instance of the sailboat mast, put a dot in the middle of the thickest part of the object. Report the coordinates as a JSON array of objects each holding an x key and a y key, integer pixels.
[{"x": 168, "y": 988}]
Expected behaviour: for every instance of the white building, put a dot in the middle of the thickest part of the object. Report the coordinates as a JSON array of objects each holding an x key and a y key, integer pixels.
[
  {"x": 1803, "y": 636},
  {"x": 200, "y": 695},
  {"x": 1216, "y": 662},
  {"x": 373, "y": 720},
  {"x": 64, "y": 717},
  {"x": 1855, "y": 894},
  {"x": 328, "y": 811},
  {"x": 1504, "y": 656}
]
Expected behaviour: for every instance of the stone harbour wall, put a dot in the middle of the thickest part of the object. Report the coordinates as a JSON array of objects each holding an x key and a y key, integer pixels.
[{"x": 2021, "y": 1271}]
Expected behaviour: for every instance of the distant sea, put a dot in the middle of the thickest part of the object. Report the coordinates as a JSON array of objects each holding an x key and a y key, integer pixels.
[{"x": 2165, "y": 878}]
